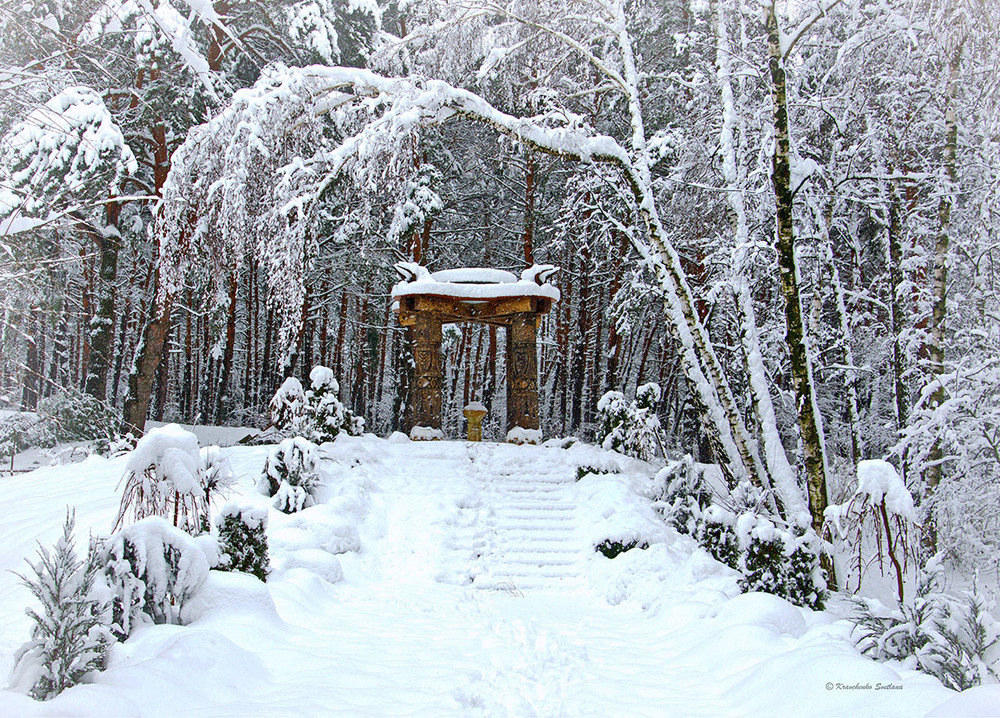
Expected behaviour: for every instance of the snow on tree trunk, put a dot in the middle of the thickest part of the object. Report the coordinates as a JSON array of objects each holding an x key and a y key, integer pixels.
[
  {"x": 148, "y": 353},
  {"x": 780, "y": 471},
  {"x": 810, "y": 431},
  {"x": 102, "y": 324},
  {"x": 939, "y": 280}
]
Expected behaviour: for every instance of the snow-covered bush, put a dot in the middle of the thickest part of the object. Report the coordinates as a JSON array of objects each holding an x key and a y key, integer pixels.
[
  {"x": 77, "y": 416},
  {"x": 288, "y": 408},
  {"x": 243, "y": 539},
  {"x": 611, "y": 548},
  {"x": 784, "y": 562},
  {"x": 631, "y": 428},
  {"x": 70, "y": 637},
  {"x": 315, "y": 413},
  {"x": 23, "y": 430},
  {"x": 165, "y": 476},
  {"x": 716, "y": 533},
  {"x": 329, "y": 416},
  {"x": 680, "y": 495},
  {"x": 956, "y": 640},
  {"x": 152, "y": 569},
  {"x": 218, "y": 474},
  {"x": 120, "y": 444},
  {"x": 879, "y": 514},
  {"x": 291, "y": 474},
  {"x": 764, "y": 564}
]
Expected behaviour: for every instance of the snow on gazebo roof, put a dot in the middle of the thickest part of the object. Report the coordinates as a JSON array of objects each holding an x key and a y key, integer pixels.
[{"x": 474, "y": 283}]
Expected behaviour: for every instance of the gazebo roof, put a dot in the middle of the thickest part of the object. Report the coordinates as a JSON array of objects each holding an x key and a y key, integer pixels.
[{"x": 472, "y": 293}]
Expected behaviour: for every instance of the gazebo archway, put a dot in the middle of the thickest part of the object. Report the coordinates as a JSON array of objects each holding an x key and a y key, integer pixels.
[{"x": 426, "y": 301}]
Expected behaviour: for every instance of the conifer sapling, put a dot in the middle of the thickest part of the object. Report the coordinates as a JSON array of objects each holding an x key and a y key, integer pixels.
[
  {"x": 70, "y": 637},
  {"x": 243, "y": 538}
]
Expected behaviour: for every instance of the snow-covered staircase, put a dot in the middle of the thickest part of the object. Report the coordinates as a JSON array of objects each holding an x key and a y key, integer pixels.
[{"x": 527, "y": 527}]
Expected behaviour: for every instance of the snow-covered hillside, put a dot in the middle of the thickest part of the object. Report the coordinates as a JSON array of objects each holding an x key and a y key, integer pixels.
[{"x": 446, "y": 578}]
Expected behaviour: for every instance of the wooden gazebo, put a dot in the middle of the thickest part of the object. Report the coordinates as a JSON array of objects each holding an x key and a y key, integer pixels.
[{"x": 425, "y": 302}]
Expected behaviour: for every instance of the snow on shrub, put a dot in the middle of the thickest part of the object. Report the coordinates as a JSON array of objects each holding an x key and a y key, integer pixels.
[
  {"x": 77, "y": 416},
  {"x": 70, "y": 637},
  {"x": 23, "y": 430},
  {"x": 880, "y": 509},
  {"x": 243, "y": 539},
  {"x": 166, "y": 476},
  {"x": 631, "y": 428},
  {"x": 329, "y": 416},
  {"x": 958, "y": 641},
  {"x": 780, "y": 561},
  {"x": 152, "y": 568},
  {"x": 218, "y": 473},
  {"x": 291, "y": 474},
  {"x": 315, "y": 413},
  {"x": 288, "y": 407}
]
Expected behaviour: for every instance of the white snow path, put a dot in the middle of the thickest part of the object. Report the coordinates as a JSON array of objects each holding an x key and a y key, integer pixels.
[{"x": 469, "y": 587}]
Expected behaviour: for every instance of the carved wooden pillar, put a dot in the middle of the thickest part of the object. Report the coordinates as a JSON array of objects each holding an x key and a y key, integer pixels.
[
  {"x": 522, "y": 373},
  {"x": 427, "y": 372}
]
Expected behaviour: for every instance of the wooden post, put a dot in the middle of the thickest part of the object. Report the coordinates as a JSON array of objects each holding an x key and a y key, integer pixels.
[
  {"x": 427, "y": 371},
  {"x": 474, "y": 413},
  {"x": 522, "y": 372}
]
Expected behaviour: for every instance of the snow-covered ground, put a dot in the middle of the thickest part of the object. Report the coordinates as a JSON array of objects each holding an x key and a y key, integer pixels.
[{"x": 447, "y": 578}]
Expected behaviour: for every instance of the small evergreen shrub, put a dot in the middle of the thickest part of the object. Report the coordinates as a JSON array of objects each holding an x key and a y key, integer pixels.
[
  {"x": 956, "y": 641},
  {"x": 680, "y": 495},
  {"x": 610, "y": 548},
  {"x": 582, "y": 471},
  {"x": 70, "y": 637},
  {"x": 291, "y": 474},
  {"x": 631, "y": 428},
  {"x": 717, "y": 534},
  {"x": 328, "y": 415},
  {"x": 784, "y": 562},
  {"x": 764, "y": 564},
  {"x": 243, "y": 539},
  {"x": 77, "y": 416},
  {"x": 612, "y": 412},
  {"x": 152, "y": 568},
  {"x": 805, "y": 580},
  {"x": 315, "y": 413},
  {"x": 288, "y": 408}
]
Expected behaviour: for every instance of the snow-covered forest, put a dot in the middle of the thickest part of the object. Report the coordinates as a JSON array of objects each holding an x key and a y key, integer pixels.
[{"x": 785, "y": 214}]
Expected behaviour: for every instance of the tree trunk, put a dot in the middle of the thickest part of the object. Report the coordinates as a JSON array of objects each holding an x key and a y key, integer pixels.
[
  {"x": 894, "y": 253},
  {"x": 225, "y": 370},
  {"x": 148, "y": 354},
  {"x": 935, "y": 471},
  {"x": 810, "y": 432},
  {"x": 528, "y": 237},
  {"x": 102, "y": 323},
  {"x": 32, "y": 362}
]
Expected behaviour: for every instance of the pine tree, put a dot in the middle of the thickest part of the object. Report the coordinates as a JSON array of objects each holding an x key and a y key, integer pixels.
[{"x": 69, "y": 638}]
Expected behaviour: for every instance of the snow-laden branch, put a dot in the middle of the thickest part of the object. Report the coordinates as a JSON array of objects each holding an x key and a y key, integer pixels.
[{"x": 368, "y": 142}]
